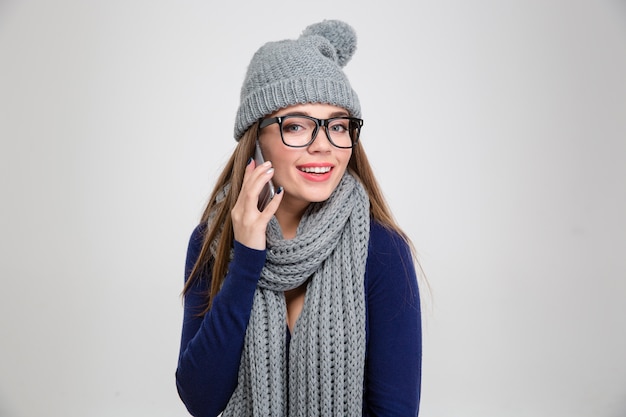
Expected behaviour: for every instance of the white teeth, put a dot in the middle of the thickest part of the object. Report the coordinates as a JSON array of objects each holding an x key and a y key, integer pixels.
[{"x": 315, "y": 170}]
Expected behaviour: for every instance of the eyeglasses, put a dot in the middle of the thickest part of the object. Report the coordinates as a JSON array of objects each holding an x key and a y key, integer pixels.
[{"x": 301, "y": 131}]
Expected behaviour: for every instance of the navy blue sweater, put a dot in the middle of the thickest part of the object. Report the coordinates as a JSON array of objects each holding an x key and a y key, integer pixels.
[{"x": 211, "y": 346}]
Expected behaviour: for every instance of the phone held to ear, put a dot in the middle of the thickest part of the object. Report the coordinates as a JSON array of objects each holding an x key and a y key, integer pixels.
[{"x": 268, "y": 191}]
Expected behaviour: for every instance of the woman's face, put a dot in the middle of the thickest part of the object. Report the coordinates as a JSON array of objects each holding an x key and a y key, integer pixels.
[{"x": 308, "y": 174}]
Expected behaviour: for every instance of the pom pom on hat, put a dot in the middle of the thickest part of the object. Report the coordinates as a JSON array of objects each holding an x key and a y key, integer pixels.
[
  {"x": 304, "y": 70},
  {"x": 340, "y": 35}
]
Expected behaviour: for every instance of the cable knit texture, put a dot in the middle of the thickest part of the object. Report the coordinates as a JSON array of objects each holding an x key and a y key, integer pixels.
[
  {"x": 304, "y": 70},
  {"x": 323, "y": 373}
]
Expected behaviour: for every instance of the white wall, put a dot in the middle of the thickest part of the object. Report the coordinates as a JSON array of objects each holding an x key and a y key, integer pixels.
[{"x": 498, "y": 130}]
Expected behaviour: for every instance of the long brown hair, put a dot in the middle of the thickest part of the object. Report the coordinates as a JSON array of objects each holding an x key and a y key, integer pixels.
[{"x": 220, "y": 228}]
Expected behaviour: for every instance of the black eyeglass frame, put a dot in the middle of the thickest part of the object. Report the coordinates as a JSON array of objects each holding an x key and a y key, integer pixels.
[{"x": 318, "y": 123}]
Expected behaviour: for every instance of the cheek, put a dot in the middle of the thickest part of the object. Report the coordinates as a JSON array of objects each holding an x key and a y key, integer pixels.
[
  {"x": 345, "y": 159},
  {"x": 271, "y": 152},
  {"x": 281, "y": 162}
]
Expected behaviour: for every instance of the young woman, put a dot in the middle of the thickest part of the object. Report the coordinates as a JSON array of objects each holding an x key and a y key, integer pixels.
[{"x": 310, "y": 305}]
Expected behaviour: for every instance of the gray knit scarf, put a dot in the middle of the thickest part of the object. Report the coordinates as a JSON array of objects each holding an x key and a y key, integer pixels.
[{"x": 322, "y": 375}]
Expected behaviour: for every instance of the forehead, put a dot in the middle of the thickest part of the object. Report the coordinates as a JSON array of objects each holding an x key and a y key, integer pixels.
[{"x": 319, "y": 110}]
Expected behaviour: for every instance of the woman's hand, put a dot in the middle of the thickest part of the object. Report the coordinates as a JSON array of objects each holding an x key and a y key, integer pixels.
[{"x": 250, "y": 224}]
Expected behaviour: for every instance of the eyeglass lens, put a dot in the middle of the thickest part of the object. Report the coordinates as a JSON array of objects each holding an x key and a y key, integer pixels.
[{"x": 299, "y": 131}]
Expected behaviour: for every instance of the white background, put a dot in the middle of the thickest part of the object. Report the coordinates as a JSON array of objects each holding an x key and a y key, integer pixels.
[{"x": 497, "y": 129}]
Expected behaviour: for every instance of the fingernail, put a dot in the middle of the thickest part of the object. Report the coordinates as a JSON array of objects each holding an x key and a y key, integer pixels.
[
  {"x": 280, "y": 190},
  {"x": 249, "y": 160},
  {"x": 269, "y": 171}
]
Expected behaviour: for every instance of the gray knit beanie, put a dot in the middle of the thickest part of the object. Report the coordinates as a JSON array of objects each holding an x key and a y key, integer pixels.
[{"x": 305, "y": 70}]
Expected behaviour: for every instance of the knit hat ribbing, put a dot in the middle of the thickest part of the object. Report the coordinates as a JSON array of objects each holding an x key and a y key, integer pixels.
[{"x": 305, "y": 70}]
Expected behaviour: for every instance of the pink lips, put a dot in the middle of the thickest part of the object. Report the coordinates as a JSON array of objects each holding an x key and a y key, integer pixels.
[{"x": 316, "y": 172}]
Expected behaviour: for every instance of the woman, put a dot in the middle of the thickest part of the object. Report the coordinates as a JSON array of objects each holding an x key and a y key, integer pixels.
[{"x": 309, "y": 306}]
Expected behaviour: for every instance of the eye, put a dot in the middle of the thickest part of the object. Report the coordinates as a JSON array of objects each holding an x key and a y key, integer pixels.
[
  {"x": 297, "y": 125},
  {"x": 292, "y": 127},
  {"x": 339, "y": 126}
]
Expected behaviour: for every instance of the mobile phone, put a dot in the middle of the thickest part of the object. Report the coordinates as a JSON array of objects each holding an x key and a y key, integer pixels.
[{"x": 268, "y": 191}]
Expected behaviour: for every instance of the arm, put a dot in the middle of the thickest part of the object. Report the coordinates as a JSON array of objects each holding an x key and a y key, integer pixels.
[
  {"x": 394, "y": 358},
  {"x": 211, "y": 346}
]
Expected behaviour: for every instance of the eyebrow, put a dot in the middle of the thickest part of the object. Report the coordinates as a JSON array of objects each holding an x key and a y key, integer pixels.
[{"x": 332, "y": 115}]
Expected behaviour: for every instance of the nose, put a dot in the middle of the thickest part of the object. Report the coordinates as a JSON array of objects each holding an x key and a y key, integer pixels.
[{"x": 321, "y": 142}]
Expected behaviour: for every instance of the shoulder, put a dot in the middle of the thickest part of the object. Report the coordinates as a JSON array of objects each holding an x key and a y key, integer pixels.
[
  {"x": 196, "y": 239},
  {"x": 197, "y": 235},
  {"x": 390, "y": 270},
  {"x": 385, "y": 242}
]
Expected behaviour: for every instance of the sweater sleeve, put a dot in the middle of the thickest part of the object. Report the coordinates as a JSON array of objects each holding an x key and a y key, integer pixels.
[
  {"x": 211, "y": 345},
  {"x": 394, "y": 358}
]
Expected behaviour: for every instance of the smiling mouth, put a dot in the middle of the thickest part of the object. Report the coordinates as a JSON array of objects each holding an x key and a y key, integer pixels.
[{"x": 315, "y": 170}]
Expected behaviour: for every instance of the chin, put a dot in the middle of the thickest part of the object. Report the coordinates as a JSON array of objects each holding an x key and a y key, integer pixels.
[
  {"x": 312, "y": 194},
  {"x": 319, "y": 200},
  {"x": 320, "y": 197}
]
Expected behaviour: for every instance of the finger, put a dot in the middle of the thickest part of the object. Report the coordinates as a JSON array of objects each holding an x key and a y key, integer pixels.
[
  {"x": 250, "y": 167},
  {"x": 258, "y": 179},
  {"x": 251, "y": 176},
  {"x": 272, "y": 206}
]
